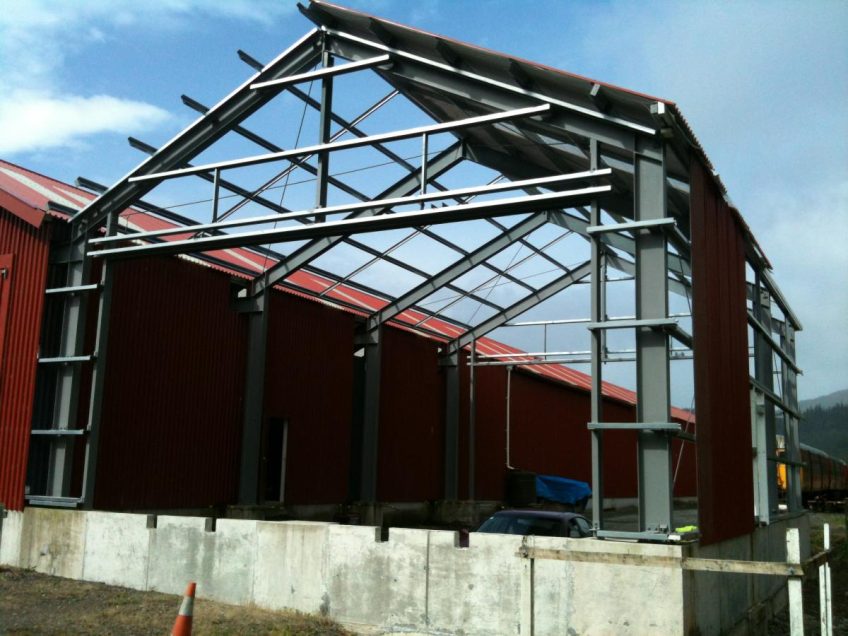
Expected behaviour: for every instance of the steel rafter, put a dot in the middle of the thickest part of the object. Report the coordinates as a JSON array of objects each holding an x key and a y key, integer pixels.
[
  {"x": 351, "y": 127},
  {"x": 230, "y": 111}
]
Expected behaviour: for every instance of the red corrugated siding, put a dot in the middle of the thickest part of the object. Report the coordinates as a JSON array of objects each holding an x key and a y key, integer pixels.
[
  {"x": 725, "y": 480},
  {"x": 548, "y": 435},
  {"x": 18, "y": 364},
  {"x": 172, "y": 411},
  {"x": 309, "y": 380},
  {"x": 411, "y": 419}
]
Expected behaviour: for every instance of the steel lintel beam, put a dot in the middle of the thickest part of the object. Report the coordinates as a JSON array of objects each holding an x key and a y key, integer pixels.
[
  {"x": 543, "y": 293},
  {"x": 230, "y": 111}
]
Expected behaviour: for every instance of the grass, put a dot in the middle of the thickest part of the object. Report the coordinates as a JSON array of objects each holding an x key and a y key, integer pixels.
[{"x": 32, "y": 603}]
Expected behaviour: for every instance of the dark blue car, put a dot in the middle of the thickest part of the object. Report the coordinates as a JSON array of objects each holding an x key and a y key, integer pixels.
[{"x": 541, "y": 523}]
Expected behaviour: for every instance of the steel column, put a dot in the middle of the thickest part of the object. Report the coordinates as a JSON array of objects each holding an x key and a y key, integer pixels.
[
  {"x": 254, "y": 397},
  {"x": 60, "y": 463},
  {"x": 652, "y": 346},
  {"x": 793, "y": 441},
  {"x": 762, "y": 510},
  {"x": 451, "y": 370},
  {"x": 371, "y": 417},
  {"x": 598, "y": 294},
  {"x": 764, "y": 373},
  {"x": 98, "y": 378}
]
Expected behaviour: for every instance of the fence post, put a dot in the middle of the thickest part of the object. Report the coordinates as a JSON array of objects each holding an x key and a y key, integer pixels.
[
  {"x": 825, "y": 610},
  {"x": 794, "y": 584}
]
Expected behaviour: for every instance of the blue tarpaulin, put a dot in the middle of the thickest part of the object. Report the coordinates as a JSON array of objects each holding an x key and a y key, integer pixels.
[{"x": 561, "y": 489}]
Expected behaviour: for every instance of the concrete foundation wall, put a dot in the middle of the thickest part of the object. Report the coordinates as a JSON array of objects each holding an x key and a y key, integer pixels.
[
  {"x": 417, "y": 581},
  {"x": 721, "y": 603}
]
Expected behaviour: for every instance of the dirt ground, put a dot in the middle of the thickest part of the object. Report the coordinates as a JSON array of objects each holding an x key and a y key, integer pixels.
[
  {"x": 779, "y": 626},
  {"x": 32, "y": 603}
]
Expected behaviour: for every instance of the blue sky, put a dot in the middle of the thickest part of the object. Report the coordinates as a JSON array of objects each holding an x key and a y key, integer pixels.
[{"x": 764, "y": 85}]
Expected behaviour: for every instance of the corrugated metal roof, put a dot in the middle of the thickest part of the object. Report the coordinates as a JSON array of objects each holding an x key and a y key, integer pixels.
[{"x": 37, "y": 190}]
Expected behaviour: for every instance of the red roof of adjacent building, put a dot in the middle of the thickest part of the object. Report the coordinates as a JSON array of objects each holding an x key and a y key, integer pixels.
[{"x": 26, "y": 194}]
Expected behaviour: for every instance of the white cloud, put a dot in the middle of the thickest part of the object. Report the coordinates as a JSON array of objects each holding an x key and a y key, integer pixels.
[
  {"x": 32, "y": 121},
  {"x": 38, "y": 111}
]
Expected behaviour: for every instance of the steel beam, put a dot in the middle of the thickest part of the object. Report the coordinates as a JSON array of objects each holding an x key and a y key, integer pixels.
[
  {"x": 652, "y": 348},
  {"x": 543, "y": 293},
  {"x": 385, "y": 203},
  {"x": 358, "y": 142},
  {"x": 323, "y": 172},
  {"x": 450, "y": 214},
  {"x": 454, "y": 271},
  {"x": 230, "y": 111},
  {"x": 474, "y": 82},
  {"x": 329, "y": 71},
  {"x": 440, "y": 164}
]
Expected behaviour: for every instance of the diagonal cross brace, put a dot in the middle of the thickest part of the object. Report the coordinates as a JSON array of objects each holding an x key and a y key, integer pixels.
[
  {"x": 563, "y": 282},
  {"x": 452, "y": 272}
]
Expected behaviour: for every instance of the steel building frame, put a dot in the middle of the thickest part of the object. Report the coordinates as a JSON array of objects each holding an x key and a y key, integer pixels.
[{"x": 617, "y": 177}]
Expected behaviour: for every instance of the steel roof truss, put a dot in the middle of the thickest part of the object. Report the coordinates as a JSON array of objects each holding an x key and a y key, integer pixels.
[
  {"x": 231, "y": 110},
  {"x": 471, "y": 211}
]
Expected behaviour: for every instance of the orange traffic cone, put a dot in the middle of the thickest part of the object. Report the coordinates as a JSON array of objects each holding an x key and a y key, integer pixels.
[{"x": 182, "y": 626}]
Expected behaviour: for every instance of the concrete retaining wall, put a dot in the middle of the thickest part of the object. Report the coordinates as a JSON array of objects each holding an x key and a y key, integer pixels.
[
  {"x": 721, "y": 603},
  {"x": 416, "y": 581}
]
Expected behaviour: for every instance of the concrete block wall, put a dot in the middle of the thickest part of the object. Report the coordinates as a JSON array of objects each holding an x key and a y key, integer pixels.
[{"x": 417, "y": 581}]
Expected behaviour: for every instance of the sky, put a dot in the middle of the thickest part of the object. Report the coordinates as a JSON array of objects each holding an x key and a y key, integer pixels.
[{"x": 763, "y": 84}]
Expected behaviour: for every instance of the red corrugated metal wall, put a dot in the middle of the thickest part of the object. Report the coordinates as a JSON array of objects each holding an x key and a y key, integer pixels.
[
  {"x": 725, "y": 480},
  {"x": 548, "y": 435},
  {"x": 172, "y": 412},
  {"x": 309, "y": 380},
  {"x": 411, "y": 464},
  {"x": 19, "y": 332}
]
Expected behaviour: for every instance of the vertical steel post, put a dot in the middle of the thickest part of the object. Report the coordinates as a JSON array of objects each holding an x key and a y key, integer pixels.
[
  {"x": 98, "y": 378},
  {"x": 425, "y": 145},
  {"x": 254, "y": 395},
  {"x": 793, "y": 441},
  {"x": 324, "y": 121},
  {"x": 452, "y": 427},
  {"x": 764, "y": 373},
  {"x": 652, "y": 347},
  {"x": 371, "y": 416},
  {"x": 216, "y": 193},
  {"x": 68, "y": 385},
  {"x": 596, "y": 335},
  {"x": 758, "y": 435},
  {"x": 472, "y": 412}
]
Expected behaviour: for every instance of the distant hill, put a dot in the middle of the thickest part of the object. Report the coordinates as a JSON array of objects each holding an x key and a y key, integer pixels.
[
  {"x": 825, "y": 401},
  {"x": 825, "y": 423}
]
